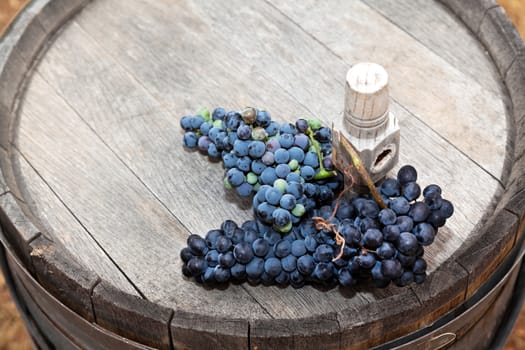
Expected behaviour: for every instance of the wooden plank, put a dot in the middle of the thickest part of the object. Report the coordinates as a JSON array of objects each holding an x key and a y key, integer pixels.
[
  {"x": 3, "y": 158},
  {"x": 134, "y": 135},
  {"x": 307, "y": 333},
  {"x": 482, "y": 334},
  {"x": 62, "y": 227},
  {"x": 200, "y": 332},
  {"x": 443, "y": 97},
  {"x": 515, "y": 81},
  {"x": 471, "y": 12},
  {"x": 63, "y": 323},
  {"x": 429, "y": 22},
  {"x": 115, "y": 207},
  {"x": 501, "y": 38},
  {"x": 443, "y": 290},
  {"x": 483, "y": 255},
  {"x": 54, "y": 336},
  {"x": 19, "y": 230},
  {"x": 10, "y": 79},
  {"x": 131, "y": 316},
  {"x": 63, "y": 277},
  {"x": 366, "y": 326},
  {"x": 21, "y": 44}
]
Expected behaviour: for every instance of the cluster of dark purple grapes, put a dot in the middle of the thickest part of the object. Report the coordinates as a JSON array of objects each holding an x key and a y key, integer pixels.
[
  {"x": 382, "y": 245},
  {"x": 288, "y": 166}
]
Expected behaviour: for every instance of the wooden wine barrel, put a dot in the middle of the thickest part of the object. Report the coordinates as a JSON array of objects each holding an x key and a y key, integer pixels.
[{"x": 98, "y": 194}]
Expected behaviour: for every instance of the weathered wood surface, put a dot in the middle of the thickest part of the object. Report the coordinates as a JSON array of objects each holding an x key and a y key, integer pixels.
[{"x": 94, "y": 161}]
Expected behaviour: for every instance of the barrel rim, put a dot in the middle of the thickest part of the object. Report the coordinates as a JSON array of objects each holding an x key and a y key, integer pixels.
[{"x": 450, "y": 284}]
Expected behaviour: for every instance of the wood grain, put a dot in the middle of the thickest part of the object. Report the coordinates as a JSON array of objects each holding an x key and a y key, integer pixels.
[
  {"x": 504, "y": 40},
  {"x": 96, "y": 178},
  {"x": 64, "y": 229},
  {"x": 430, "y": 24},
  {"x": 18, "y": 228},
  {"x": 441, "y": 105},
  {"x": 133, "y": 130},
  {"x": 111, "y": 163}
]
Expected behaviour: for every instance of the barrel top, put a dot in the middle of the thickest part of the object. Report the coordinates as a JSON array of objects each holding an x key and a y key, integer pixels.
[{"x": 93, "y": 163}]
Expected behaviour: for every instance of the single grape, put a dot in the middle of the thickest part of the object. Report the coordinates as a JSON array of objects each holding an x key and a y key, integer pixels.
[
  {"x": 446, "y": 209},
  {"x": 282, "y": 170},
  {"x": 218, "y": 113},
  {"x": 197, "y": 265},
  {"x": 273, "y": 195},
  {"x": 287, "y": 202},
  {"x": 323, "y": 271},
  {"x": 405, "y": 223},
  {"x": 391, "y": 187},
  {"x": 431, "y": 189},
  {"x": 260, "y": 247},
  {"x": 203, "y": 143},
  {"x": 373, "y": 238},
  {"x": 425, "y": 233},
  {"x": 391, "y": 268},
  {"x": 265, "y": 212},
  {"x": 407, "y": 243},
  {"x": 281, "y": 156},
  {"x": 366, "y": 260},
  {"x": 400, "y": 205},
  {"x": 420, "y": 266},
  {"x": 263, "y": 118},
  {"x": 268, "y": 176},
  {"x": 283, "y": 278},
  {"x": 226, "y": 259},
  {"x": 244, "y": 132},
  {"x": 345, "y": 278},
  {"x": 307, "y": 172},
  {"x": 272, "y": 266},
  {"x": 238, "y": 271},
  {"x": 407, "y": 174},
  {"x": 243, "y": 252},
  {"x": 212, "y": 258},
  {"x": 411, "y": 191},
  {"x": 256, "y": 149},
  {"x": 250, "y": 235},
  {"x": 282, "y": 248},
  {"x": 289, "y": 263},
  {"x": 244, "y": 163},
  {"x": 406, "y": 278},
  {"x": 311, "y": 159},
  {"x": 386, "y": 251},
  {"x": 302, "y": 142},
  {"x": 185, "y": 123},
  {"x": 288, "y": 128},
  {"x": 186, "y": 254},
  {"x": 387, "y": 217},
  {"x": 197, "y": 245},
  {"x": 286, "y": 140},
  {"x": 281, "y": 217},
  {"x": 297, "y": 154},
  {"x": 324, "y": 253},
  {"x": 419, "y": 211},
  {"x": 190, "y": 139}
]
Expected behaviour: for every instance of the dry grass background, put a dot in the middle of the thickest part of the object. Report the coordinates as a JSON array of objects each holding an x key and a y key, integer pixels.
[{"x": 13, "y": 335}]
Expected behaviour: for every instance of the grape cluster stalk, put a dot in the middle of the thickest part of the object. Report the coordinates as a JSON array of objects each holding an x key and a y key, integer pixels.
[{"x": 307, "y": 229}]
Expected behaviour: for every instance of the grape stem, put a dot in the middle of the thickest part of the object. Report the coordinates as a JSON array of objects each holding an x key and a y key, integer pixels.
[
  {"x": 323, "y": 173},
  {"x": 361, "y": 170}
]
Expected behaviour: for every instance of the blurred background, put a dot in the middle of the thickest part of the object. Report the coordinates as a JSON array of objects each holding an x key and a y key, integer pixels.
[{"x": 13, "y": 335}]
